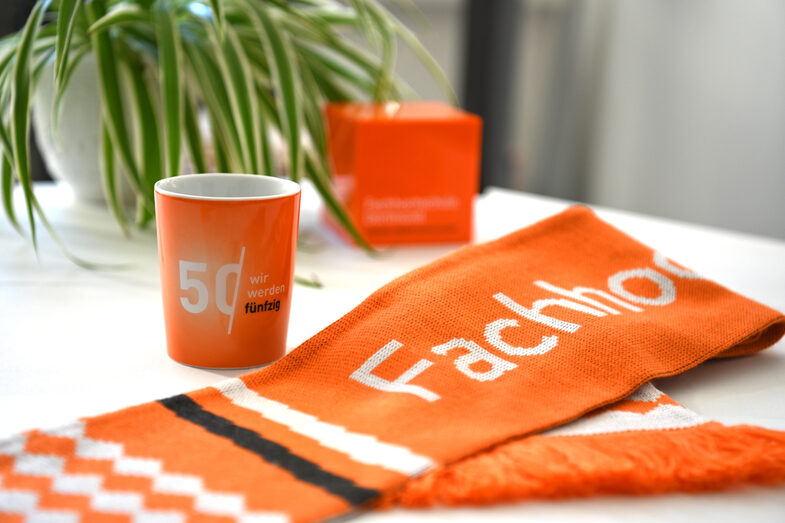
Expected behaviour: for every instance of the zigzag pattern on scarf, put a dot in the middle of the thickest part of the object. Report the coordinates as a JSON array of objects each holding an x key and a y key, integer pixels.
[{"x": 46, "y": 483}]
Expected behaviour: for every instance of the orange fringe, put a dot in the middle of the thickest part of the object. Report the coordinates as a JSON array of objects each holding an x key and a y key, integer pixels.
[{"x": 706, "y": 457}]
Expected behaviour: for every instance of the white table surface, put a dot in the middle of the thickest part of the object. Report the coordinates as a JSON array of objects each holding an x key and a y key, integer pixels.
[{"x": 75, "y": 343}]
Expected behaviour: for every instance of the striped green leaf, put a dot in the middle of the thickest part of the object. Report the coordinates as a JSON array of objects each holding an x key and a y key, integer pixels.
[
  {"x": 270, "y": 122},
  {"x": 222, "y": 162},
  {"x": 143, "y": 213},
  {"x": 282, "y": 65},
  {"x": 66, "y": 21},
  {"x": 76, "y": 260},
  {"x": 121, "y": 14},
  {"x": 212, "y": 87},
  {"x": 384, "y": 81},
  {"x": 256, "y": 68},
  {"x": 218, "y": 13},
  {"x": 21, "y": 92},
  {"x": 109, "y": 180},
  {"x": 147, "y": 131},
  {"x": 330, "y": 15},
  {"x": 327, "y": 66},
  {"x": 313, "y": 281},
  {"x": 40, "y": 63},
  {"x": 268, "y": 158},
  {"x": 366, "y": 23},
  {"x": 312, "y": 115},
  {"x": 7, "y": 189},
  {"x": 424, "y": 56},
  {"x": 113, "y": 100},
  {"x": 193, "y": 137},
  {"x": 245, "y": 110},
  {"x": 5, "y": 141},
  {"x": 317, "y": 173},
  {"x": 171, "y": 87}
]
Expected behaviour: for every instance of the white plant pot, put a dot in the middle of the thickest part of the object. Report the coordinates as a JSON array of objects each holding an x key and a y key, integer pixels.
[{"x": 75, "y": 157}]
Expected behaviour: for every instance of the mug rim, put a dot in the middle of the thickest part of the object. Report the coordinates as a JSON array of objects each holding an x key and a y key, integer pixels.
[{"x": 285, "y": 187}]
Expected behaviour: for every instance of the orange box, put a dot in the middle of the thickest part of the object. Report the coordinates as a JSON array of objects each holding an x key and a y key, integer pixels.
[{"x": 407, "y": 172}]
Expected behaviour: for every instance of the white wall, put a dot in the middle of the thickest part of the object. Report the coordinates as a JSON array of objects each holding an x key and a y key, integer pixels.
[
  {"x": 674, "y": 108},
  {"x": 690, "y": 119}
]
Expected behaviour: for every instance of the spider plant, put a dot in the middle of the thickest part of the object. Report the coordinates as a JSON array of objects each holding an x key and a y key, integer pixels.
[{"x": 251, "y": 68}]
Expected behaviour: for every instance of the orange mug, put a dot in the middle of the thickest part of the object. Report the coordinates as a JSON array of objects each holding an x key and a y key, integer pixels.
[{"x": 226, "y": 247}]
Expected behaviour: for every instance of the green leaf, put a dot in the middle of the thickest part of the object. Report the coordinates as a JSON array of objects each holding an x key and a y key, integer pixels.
[
  {"x": 308, "y": 282},
  {"x": 20, "y": 109},
  {"x": 244, "y": 105},
  {"x": 269, "y": 120},
  {"x": 424, "y": 56},
  {"x": 40, "y": 64},
  {"x": 360, "y": 57},
  {"x": 334, "y": 15},
  {"x": 213, "y": 89},
  {"x": 42, "y": 43},
  {"x": 268, "y": 160},
  {"x": 76, "y": 260},
  {"x": 7, "y": 183},
  {"x": 333, "y": 90},
  {"x": 141, "y": 38},
  {"x": 331, "y": 46},
  {"x": 218, "y": 12},
  {"x": 328, "y": 66},
  {"x": 147, "y": 129},
  {"x": 8, "y": 46},
  {"x": 321, "y": 180},
  {"x": 193, "y": 136},
  {"x": 256, "y": 67},
  {"x": 219, "y": 150},
  {"x": 143, "y": 215},
  {"x": 321, "y": 36},
  {"x": 112, "y": 99},
  {"x": 414, "y": 13},
  {"x": 366, "y": 23},
  {"x": 109, "y": 180},
  {"x": 5, "y": 89},
  {"x": 384, "y": 82},
  {"x": 267, "y": 106},
  {"x": 66, "y": 21},
  {"x": 5, "y": 141},
  {"x": 169, "y": 70},
  {"x": 121, "y": 14},
  {"x": 282, "y": 62},
  {"x": 312, "y": 114}
]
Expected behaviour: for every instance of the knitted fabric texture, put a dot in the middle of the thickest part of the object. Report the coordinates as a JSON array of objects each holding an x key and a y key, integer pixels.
[
  {"x": 645, "y": 444},
  {"x": 489, "y": 344}
]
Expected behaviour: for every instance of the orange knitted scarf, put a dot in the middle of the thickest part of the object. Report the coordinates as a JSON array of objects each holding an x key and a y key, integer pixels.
[
  {"x": 645, "y": 444},
  {"x": 480, "y": 348}
]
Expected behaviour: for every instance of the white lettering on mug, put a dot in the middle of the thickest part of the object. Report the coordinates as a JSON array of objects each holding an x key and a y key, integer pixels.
[{"x": 221, "y": 283}]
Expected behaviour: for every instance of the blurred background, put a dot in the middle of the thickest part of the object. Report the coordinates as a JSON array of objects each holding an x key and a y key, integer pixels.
[{"x": 674, "y": 108}]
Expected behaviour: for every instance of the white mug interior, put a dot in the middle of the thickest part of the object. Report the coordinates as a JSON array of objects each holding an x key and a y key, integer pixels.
[{"x": 226, "y": 186}]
